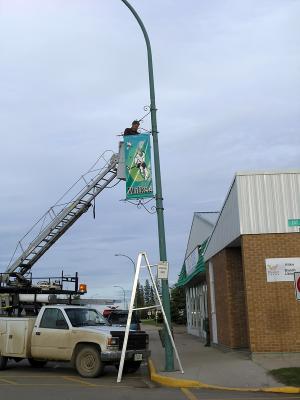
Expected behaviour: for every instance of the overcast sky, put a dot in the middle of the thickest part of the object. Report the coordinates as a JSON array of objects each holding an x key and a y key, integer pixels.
[{"x": 73, "y": 75}]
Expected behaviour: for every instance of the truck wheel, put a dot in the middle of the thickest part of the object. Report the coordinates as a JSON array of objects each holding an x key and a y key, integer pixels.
[
  {"x": 3, "y": 362},
  {"x": 88, "y": 362},
  {"x": 37, "y": 363},
  {"x": 131, "y": 366}
]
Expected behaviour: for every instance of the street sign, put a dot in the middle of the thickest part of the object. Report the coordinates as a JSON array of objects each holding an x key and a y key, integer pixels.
[
  {"x": 297, "y": 285},
  {"x": 162, "y": 270},
  {"x": 293, "y": 222}
]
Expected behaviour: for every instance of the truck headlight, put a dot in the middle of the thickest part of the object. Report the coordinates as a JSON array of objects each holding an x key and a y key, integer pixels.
[{"x": 113, "y": 341}]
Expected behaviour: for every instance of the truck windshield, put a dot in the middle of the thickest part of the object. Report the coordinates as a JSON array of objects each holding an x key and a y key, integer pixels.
[{"x": 85, "y": 317}]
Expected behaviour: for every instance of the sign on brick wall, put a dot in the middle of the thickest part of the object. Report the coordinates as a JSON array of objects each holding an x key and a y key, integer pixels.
[{"x": 282, "y": 269}]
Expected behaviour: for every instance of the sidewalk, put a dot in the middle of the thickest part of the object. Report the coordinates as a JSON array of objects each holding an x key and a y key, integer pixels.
[{"x": 208, "y": 365}]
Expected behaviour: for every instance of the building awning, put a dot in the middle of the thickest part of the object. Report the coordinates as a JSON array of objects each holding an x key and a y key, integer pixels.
[{"x": 183, "y": 278}]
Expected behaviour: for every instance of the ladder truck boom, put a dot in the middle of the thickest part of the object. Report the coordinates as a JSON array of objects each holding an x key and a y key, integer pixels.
[{"x": 62, "y": 221}]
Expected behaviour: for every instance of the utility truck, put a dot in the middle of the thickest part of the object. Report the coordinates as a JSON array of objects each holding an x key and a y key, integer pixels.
[
  {"x": 44, "y": 321},
  {"x": 80, "y": 335}
]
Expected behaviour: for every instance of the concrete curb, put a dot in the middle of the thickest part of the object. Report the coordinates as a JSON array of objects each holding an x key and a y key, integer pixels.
[{"x": 187, "y": 383}]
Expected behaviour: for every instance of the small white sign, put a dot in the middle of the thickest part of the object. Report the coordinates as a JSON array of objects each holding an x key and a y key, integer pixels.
[
  {"x": 163, "y": 270},
  {"x": 282, "y": 269}
]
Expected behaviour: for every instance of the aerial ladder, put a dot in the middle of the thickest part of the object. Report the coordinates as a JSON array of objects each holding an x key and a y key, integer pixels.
[{"x": 58, "y": 219}]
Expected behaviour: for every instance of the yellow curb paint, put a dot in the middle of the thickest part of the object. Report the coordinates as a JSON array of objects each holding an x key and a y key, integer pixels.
[
  {"x": 186, "y": 383},
  {"x": 188, "y": 394},
  {"x": 283, "y": 389}
]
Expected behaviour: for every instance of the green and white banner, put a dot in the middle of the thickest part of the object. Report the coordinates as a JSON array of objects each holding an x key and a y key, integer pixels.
[{"x": 138, "y": 166}]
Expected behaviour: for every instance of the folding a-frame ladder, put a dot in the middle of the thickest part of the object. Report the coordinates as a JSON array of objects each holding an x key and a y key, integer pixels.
[{"x": 131, "y": 309}]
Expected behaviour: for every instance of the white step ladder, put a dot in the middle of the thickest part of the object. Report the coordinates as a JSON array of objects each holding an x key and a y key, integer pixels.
[{"x": 141, "y": 256}]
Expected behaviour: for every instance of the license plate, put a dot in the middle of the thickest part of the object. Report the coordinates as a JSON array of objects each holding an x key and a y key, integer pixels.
[{"x": 138, "y": 357}]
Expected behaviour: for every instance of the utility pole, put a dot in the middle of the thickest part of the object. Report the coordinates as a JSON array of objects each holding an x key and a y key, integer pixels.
[{"x": 169, "y": 358}]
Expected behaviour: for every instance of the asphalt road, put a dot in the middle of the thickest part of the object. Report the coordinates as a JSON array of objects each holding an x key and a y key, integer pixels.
[{"x": 61, "y": 382}]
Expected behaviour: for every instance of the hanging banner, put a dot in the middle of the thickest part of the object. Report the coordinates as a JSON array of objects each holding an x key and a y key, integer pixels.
[{"x": 138, "y": 166}]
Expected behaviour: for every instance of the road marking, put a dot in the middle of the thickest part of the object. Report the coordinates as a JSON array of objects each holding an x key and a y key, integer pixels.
[
  {"x": 112, "y": 385},
  {"x": 43, "y": 384},
  {"x": 84, "y": 383},
  {"x": 63, "y": 384},
  {"x": 273, "y": 396},
  {"x": 188, "y": 394},
  {"x": 32, "y": 376},
  {"x": 8, "y": 381}
]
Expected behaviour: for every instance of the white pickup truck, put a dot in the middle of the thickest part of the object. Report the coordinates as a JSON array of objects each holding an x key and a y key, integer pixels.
[{"x": 70, "y": 333}]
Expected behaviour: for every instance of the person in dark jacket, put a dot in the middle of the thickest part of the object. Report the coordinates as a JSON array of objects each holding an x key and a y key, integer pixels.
[
  {"x": 207, "y": 330},
  {"x": 133, "y": 130}
]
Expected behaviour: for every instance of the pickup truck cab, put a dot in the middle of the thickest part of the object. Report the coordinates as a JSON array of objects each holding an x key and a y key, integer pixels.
[{"x": 70, "y": 333}]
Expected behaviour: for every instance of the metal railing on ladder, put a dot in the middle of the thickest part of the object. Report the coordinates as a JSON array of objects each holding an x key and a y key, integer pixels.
[{"x": 62, "y": 215}]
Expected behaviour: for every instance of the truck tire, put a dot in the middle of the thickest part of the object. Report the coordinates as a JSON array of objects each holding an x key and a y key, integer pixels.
[
  {"x": 3, "y": 362},
  {"x": 37, "y": 363},
  {"x": 88, "y": 362}
]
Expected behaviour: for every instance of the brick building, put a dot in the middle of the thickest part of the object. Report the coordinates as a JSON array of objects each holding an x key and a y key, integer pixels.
[{"x": 250, "y": 258}]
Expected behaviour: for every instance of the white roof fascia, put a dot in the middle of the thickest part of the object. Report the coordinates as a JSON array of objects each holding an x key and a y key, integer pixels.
[
  {"x": 198, "y": 215},
  {"x": 212, "y": 246}
]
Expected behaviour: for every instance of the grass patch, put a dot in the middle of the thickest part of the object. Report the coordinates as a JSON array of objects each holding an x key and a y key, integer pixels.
[{"x": 288, "y": 376}]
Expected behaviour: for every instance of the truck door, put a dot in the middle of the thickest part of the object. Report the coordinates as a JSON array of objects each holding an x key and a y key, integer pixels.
[{"x": 52, "y": 338}]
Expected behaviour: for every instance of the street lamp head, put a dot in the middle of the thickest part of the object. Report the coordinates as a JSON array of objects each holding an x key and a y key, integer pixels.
[{"x": 125, "y": 255}]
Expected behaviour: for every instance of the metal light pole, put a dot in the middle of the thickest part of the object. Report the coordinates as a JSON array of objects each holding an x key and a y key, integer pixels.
[
  {"x": 169, "y": 359},
  {"x": 129, "y": 258},
  {"x": 133, "y": 263},
  {"x": 123, "y": 293}
]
